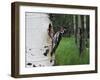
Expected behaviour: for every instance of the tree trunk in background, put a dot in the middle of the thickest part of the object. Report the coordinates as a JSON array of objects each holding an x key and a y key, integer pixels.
[
  {"x": 80, "y": 33},
  {"x": 82, "y": 38},
  {"x": 74, "y": 24},
  {"x": 85, "y": 32},
  {"x": 76, "y": 29}
]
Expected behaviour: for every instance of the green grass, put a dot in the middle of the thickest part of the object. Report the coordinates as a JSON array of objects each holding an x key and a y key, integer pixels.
[{"x": 67, "y": 53}]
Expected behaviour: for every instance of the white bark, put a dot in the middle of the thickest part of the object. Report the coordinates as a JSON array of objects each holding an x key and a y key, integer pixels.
[
  {"x": 74, "y": 22},
  {"x": 36, "y": 38}
]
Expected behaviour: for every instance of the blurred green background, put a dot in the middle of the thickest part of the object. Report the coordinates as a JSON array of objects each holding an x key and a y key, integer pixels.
[{"x": 74, "y": 45}]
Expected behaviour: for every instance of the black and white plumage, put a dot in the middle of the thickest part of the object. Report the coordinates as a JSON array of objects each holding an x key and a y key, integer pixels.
[{"x": 56, "y": 40}]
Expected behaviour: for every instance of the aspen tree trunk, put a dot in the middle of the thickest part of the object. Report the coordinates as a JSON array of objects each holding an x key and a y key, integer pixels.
[
  {"x": 74, "y": 24},
  {"x": 82, "y": 27},
  {"x": 80, "y": 34},
  {"x": 76, "y": 29},
  {"x": 85, "y": 32}
]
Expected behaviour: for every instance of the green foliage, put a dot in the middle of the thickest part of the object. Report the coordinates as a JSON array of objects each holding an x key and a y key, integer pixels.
[
  {"x": 62, "y": 20},
  {"x": 67, "y": 53}
]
